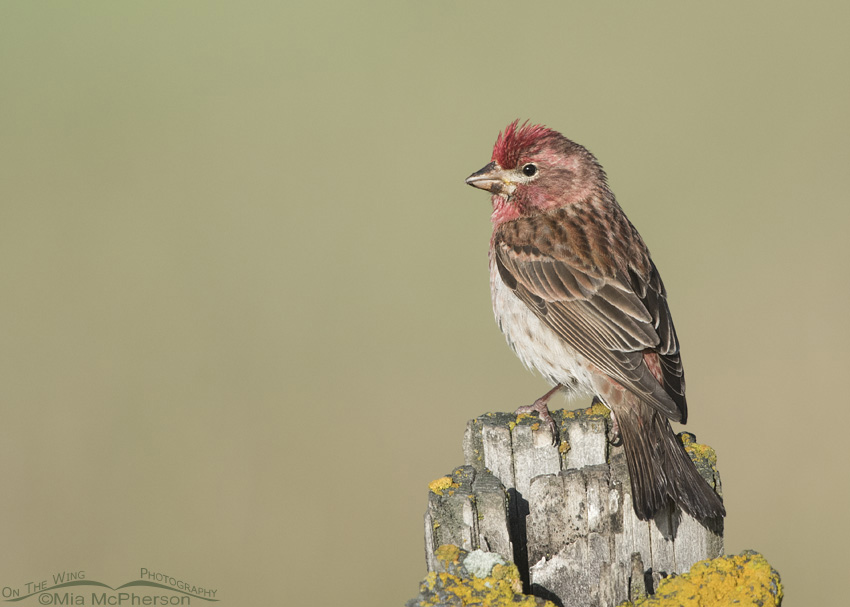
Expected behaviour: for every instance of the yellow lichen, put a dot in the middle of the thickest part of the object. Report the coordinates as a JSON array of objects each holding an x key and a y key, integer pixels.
[
  {"x": 502, "y": 588},
  {"x": 745, "y": 580},
  {"x": 563, "y": 447},
  {"x": 447, "y": 553},
  {"x": 510, "y": 573},
  {"x": 698, "y": 451},
  {"x": 441, "y": 485},
  {"x": 598, "y": 409}
]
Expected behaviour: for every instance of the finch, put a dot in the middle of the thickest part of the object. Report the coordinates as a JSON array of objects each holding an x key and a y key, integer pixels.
[{"x": 579, "y": 299}]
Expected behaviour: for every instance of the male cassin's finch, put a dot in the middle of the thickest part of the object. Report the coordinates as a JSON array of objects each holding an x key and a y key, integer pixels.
[{"x": 579, "y": 299}]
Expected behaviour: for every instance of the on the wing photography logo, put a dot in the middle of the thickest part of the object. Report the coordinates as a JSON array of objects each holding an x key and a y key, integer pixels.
[{"x": 74, "y": 588}]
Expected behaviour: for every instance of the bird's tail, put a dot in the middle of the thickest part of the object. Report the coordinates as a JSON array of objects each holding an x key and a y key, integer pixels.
[{"x": 659, "y": 467}]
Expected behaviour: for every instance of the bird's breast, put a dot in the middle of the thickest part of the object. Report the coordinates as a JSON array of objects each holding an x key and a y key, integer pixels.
[{"x": 536, "y": 344}]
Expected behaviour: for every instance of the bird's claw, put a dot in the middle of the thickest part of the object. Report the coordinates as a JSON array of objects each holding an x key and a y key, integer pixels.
[
  {"x": 616, "y": 439},
  {"x": 541, "y": 407}
]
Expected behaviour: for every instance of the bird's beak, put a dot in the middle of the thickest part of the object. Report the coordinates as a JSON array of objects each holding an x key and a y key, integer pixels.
[{"x": 491, "y": 178}]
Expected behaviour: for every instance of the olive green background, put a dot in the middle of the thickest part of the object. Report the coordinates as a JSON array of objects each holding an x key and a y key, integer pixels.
[{"x": 245, "y": 302}]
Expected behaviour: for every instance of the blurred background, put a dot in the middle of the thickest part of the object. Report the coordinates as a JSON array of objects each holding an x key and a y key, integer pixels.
[{"x": 245, "y": 302}]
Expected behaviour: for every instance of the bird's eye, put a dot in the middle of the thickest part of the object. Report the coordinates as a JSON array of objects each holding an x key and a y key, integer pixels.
[{"x": 529, "y": 170}]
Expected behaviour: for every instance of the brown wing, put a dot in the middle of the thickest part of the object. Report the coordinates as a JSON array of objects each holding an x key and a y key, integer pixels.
[{"x": 611, "y": 317}]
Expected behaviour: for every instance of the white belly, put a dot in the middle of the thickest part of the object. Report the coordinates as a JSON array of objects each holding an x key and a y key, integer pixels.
[{"x": 538, "y": 346}]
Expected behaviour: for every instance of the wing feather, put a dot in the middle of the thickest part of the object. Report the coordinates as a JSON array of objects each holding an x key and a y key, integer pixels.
[{"x": 610, "y": 318}]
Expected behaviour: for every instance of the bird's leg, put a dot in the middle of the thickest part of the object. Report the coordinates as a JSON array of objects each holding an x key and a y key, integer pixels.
[
  {"x": 616, "y": 439},
  {"x": 541, "y": 406}
]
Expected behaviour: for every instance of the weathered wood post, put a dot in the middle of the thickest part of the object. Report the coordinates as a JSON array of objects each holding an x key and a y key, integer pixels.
[{"x": 563, "y": 513}]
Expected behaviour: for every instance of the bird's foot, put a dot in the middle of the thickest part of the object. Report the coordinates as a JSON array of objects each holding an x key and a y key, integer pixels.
[
  {"x": 616, "y": 439},
  {"x": 541, "y": 407}
]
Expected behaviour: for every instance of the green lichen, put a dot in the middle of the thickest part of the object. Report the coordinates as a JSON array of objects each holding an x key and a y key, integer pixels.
[{"x": 746, "y": 580}]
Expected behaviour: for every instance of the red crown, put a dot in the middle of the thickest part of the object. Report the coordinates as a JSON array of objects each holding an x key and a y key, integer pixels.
[{"x": 515, "y": 140}]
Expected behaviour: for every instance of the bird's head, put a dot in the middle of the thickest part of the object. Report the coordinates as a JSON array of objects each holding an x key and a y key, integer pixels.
[{"x": 535, "y": 169}]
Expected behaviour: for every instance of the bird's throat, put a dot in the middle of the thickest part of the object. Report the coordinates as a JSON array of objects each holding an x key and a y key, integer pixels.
[{"x": 504, "y": 209}]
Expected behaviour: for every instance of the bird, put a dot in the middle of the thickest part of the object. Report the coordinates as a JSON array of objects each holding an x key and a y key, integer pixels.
[{"x": 580, "y": 300}]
